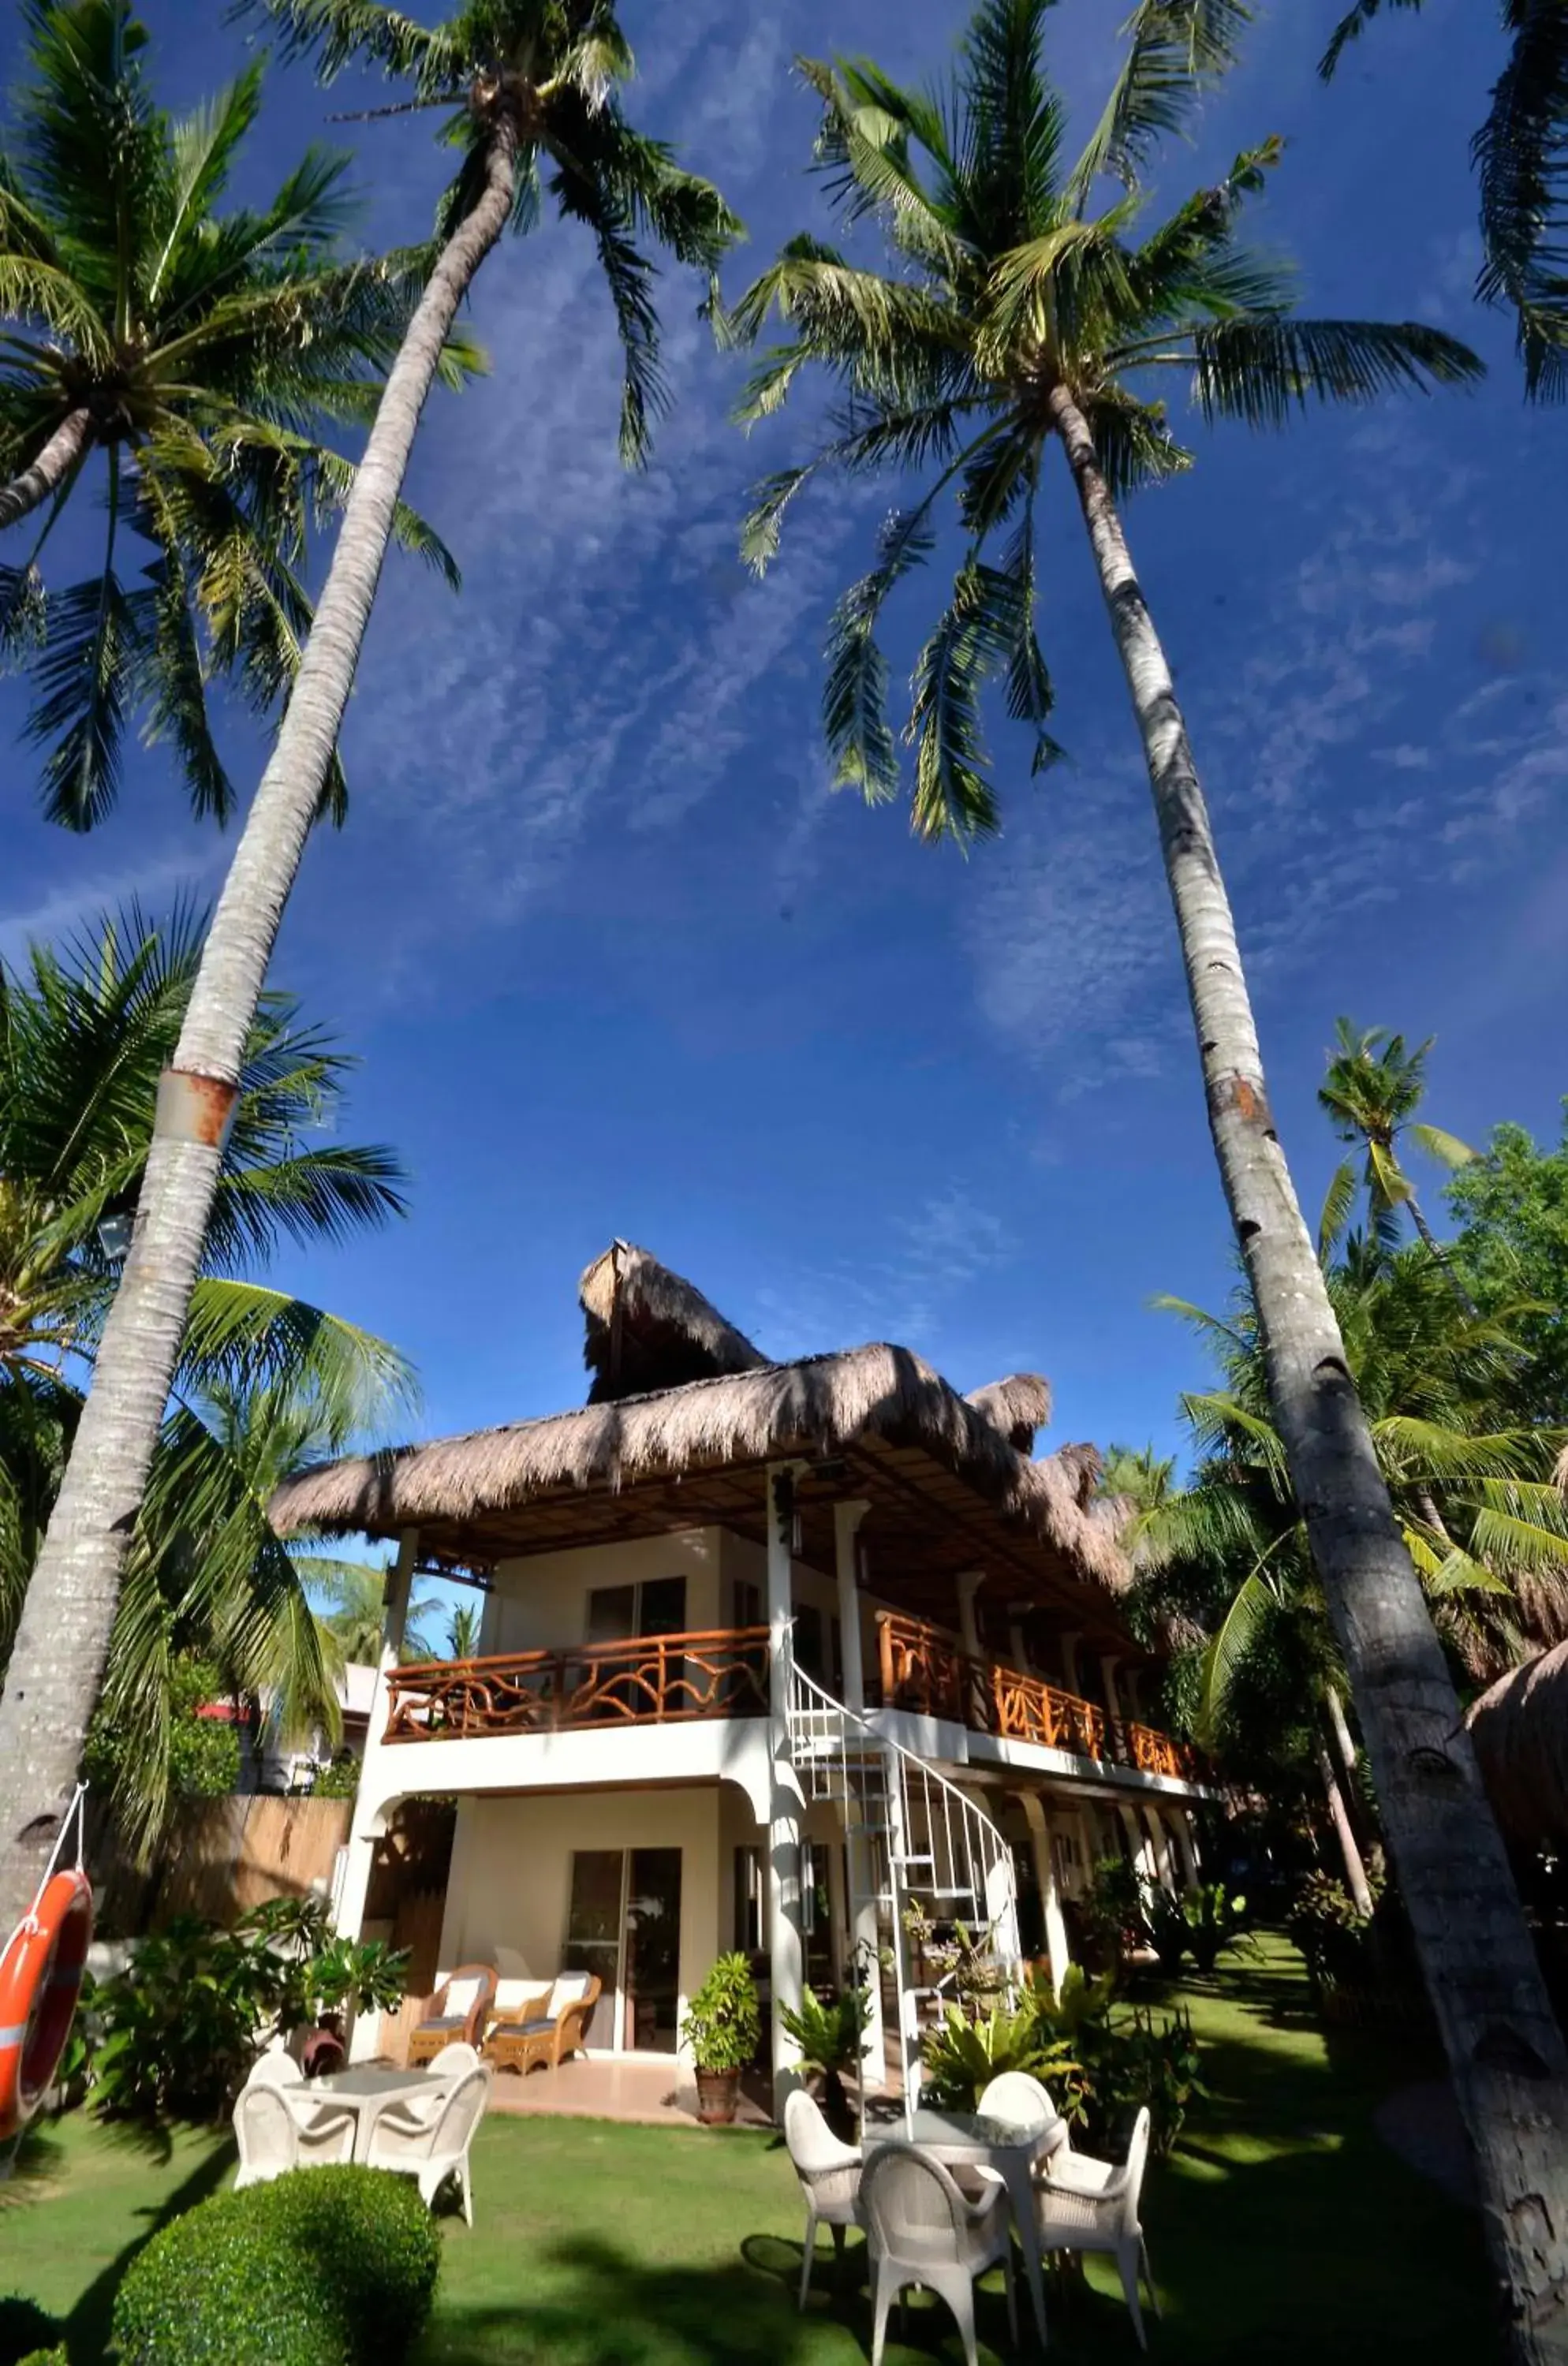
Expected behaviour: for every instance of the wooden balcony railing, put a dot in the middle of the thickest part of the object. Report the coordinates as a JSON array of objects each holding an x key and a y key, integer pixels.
[
  {"x": 926, "y": 1670},
  {"x": 649, "y": 1680}
]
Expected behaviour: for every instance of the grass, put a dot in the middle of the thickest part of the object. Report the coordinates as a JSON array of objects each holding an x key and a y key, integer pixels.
[{"x": 1282, "y": 2231}]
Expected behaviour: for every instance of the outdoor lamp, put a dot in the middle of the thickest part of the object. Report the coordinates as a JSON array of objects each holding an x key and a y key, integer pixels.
[{"x": 114, "y": 1237}]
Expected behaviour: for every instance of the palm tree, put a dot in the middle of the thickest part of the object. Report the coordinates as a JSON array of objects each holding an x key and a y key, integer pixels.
[
  {"x": 262, "y": 1380},
  {"x": 351, "y": 1597},
  {"x": 463, "y": 1634},
  {"x": 180, "y": 357},
  {"x": 532, "y": 82},
  {"x": 1520, "y": 154},
  {"x": 1372, "y": 1090},
  {"x": 1013, "y": 317}
]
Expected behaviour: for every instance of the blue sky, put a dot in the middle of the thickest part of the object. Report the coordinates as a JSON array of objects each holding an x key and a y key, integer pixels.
[{"x": 617, "y": 961}]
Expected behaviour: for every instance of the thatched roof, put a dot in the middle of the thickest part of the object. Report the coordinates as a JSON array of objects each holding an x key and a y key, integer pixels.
[
  {"x": 874, "y": 1397},
  {"x": 1519, "y": 1728},
  {"x": 648, "y": 1328},
  {"x": 1017, "y": 1406}
]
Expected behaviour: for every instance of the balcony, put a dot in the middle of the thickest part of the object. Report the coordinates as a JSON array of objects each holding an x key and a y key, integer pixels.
[
  {"x": 723, "y": 1673},
  {"x": 927, "y": 1671},
  {"x": 647, "y": 1680}
]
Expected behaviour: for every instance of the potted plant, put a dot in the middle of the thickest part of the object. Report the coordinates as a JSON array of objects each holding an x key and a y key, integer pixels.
[
  {"x": 722, "y": 2024},
  {"x": 831, "y": 2038}
]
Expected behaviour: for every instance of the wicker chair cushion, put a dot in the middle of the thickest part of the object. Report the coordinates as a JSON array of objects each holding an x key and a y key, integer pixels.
[
  {"x": 536, "y": 2028},
  {"x": 570, "y": 1988},
  {"x": 461, "y": 1998},
  {"x": 447, "y": 2021}
]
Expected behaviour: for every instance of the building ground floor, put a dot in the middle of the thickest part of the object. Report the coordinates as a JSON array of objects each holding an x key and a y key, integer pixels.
[{"x": 644, "y": 1885}]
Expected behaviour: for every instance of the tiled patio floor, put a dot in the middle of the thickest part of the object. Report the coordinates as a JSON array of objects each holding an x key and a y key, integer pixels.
[{"x": 630, "y": 2087}]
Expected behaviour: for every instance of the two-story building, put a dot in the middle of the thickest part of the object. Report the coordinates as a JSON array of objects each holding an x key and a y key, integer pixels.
[{"x": 770, "y": 1652}]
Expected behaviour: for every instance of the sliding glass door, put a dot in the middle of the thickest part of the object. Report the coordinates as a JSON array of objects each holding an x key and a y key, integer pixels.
[{"x": 624, "y": 1922}]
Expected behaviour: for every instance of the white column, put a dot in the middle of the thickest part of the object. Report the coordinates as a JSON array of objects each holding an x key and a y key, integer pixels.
[
  {"x": 969, "y": 1583},
  {"x": 1181, "y": 1824},
  {"x": 1016, "y": 1643},
  {"x": 786, "y": 1951},
  {"x": 1137, "y": 1835},
  {"x": 1069, "y": 1641},
  {"x": 1108, "y": 1667},
  {"x": 1039, "y": 1824},
  {"x": 1160, "y": 1841},
  {"x": 349, "y": 1914},
  {"x": 847, "y": 1518}
]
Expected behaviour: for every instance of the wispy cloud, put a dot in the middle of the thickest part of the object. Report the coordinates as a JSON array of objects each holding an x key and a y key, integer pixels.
[{"x": 930, "y": 1257}]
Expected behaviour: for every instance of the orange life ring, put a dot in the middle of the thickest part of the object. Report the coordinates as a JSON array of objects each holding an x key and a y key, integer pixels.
[{"x": 41, "y": 1975}]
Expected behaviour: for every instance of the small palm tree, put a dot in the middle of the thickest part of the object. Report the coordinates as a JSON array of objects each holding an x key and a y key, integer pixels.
[
  {"x": 351, "y": 1595},
  {"x": 1014, "y": 318},
  {"x": 262, "y": 1378},
  {"x": 532, "y": 87},
  {"x": 1372, "y": 1091},
  {"x": 1520, "y": 154},
  {"x": 463, "y": 1634},
  {"x": 181, "y": 356}
]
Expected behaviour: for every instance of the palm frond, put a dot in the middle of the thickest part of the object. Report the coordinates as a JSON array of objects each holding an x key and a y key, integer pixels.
[
  {"x": 1446, "y": 1148},
  {"x": 1338, "y": 1202},
  {"x": 976, "y": 637},
  {"x": 1350, "y": 28},
  {"x": 96, "y": 643},
  {"x": 337, "y": 34},
  {"x": 241, "y": 1334},
  {"x": 854, "y": 700},
  {"x": 1262, "y": 370},
  {"x": 1176, "y": 50}
]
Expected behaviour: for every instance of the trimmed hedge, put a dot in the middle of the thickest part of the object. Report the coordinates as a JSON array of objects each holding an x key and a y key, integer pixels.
[{"x": 323, "y": 2267}]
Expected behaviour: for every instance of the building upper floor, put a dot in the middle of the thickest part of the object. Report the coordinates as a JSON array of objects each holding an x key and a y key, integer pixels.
[{"x": 936, "y": 1570}]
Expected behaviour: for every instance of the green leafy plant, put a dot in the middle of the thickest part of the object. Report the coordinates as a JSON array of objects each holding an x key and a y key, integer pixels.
[
  {"x": 339, "y": 1779},
  {"x": 723, "y": 2021},
  {"x": 330, "y": 2267},
  {"x": 960, "y": 2057},
  {"x": 27, "y": 2330},
  {"x": 832, "y": 2039},
  {"x": 1114, "y": 1910},
  {"x": 1130, "y": 2057},
  {"x": 1169, "y": 1932},
  {"x": 1340, "y": 1943},
  {"x": 1215, "y": 1919},
  {"x": 196, "y": 2004}
]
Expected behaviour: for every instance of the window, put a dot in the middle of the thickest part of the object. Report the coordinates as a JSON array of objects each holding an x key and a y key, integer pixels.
[
  {"x": 748, "y": 1599},
  {"x": 616, "y": 1613},
  {"x": 750, "y": 1910}
]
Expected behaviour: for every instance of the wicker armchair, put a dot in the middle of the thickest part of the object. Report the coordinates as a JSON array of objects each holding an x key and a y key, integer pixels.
[
  {"x": 457, "y": 2011},
  {"x": 558, "y": 2029}
]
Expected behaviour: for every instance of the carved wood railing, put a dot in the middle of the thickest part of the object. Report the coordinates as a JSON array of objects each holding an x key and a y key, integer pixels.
[
  {"x": 927, "y": 1670},
  {"x": 647, "y": 1680}
]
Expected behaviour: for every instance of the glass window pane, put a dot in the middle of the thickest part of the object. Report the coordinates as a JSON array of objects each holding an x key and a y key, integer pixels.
[
  {"x": 612, "y": 1612},
  {"x": 653, "y": 1950}
]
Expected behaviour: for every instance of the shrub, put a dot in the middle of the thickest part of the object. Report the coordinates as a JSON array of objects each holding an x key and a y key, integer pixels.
[
  {"x": 723, "y": 2020},
  {"x": 1168, "y": 1934},
  {"x": 58, "y": 2356},
  {"x": 832, "y": 2039},
  {"x": 196, "y": 2005},
  {"x": 1215, "y": 1919},
  {"x": 26, "y": 2331},
  {"x": 325, "y": 2267},
  {"x": 1125, "y": 2058},
  {"x": 962, "y": 2057}
]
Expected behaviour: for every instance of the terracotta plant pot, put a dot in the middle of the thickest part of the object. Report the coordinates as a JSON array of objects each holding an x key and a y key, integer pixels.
[{"x": 718, "y": 2093}]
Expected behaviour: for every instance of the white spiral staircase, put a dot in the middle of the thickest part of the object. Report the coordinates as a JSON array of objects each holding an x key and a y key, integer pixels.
[{"x": 911, "y": 1837}]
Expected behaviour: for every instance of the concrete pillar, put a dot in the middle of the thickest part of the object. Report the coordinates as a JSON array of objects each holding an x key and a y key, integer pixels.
[
  {"x": 1138, "y": 1841},
  {"x": 1159, "y": 1841},
  {"x": 1108, "y": 1667},
  {"x": 847, "y": 1518},
  {"x": 840, "y": 1938},
  {"x": 1186, "y": 1847},
  {"x": 786, "y": 1945},
  {"x": 1069, "y": 1645},
  {"x": 348, "y": 1914},
  {"x": 968, "y": 1584},
  {"x": 1039, "y": 1824},
  {"x": 1017, "y": 1651}
]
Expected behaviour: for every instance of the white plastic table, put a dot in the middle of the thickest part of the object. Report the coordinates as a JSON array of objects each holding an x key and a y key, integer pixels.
[
  {"x": 365, "y": 2093},
  {"x": 965, "y": 2140}
]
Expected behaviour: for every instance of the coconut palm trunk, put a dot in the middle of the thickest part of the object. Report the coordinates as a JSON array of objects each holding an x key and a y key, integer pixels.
[
  {"x": 1343, "y": 1832},
  {"x": 62, "y": 1641},
  {"x": 1505, "y": 2054},
  {"x": 49, "y": 472}
]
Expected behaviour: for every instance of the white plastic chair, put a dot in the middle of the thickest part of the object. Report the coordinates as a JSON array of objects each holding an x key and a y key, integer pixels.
[
  {"x": 1083, "y": 2205},
  {"x": 1017, "y": 2101},
  {"x": 429, "y": 2140},
  {"x": 922, "y": 2231},
  {"x": 453, "y": 2060},
  {"x": 275, "y": 2069},
  {"x": 829, "y": 2173}
]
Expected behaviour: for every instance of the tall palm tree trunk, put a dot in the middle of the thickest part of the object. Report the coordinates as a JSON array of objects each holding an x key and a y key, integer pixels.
[
  {"x": 1440, "y": 1254},
  {"x": 49, "y": 472},
  {"x": 62, "y": 1641},
  {"x": 1345, "y": 1834},
  {"x": 1506, "y": 2053}
]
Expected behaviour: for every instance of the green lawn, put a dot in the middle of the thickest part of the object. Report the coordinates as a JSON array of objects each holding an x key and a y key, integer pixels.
[{"x": 1282, "y": 2232}]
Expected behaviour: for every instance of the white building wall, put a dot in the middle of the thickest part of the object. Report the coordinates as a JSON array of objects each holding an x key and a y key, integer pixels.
[
  {"x": 510, "y": 1885},
  {"x": 540, "y": 1603}
]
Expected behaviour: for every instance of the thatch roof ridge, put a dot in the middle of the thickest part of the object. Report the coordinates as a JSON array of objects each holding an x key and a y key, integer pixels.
[
  {"x": 649, "y": 1327},
  {"x": 819, "y": 1402},
  {"x": 1017, "y": 1406},
  {"x": 1519, "y": 1729}
]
